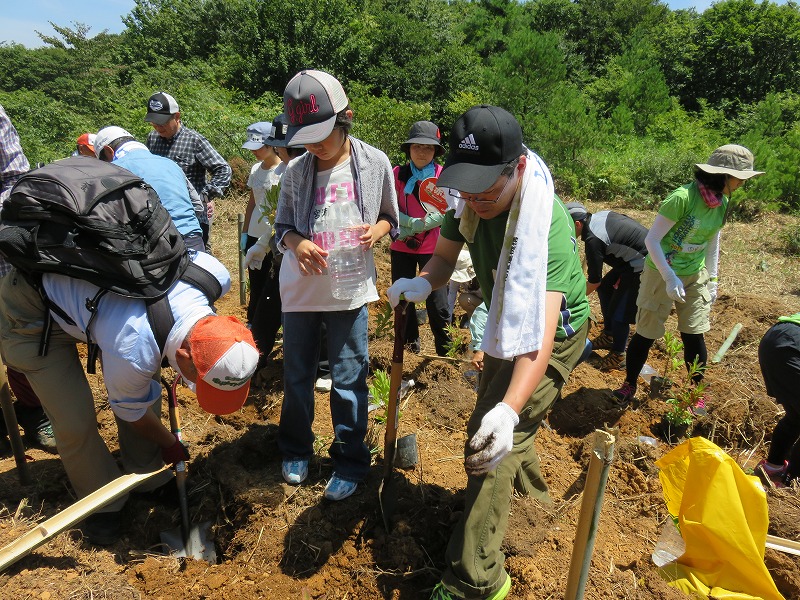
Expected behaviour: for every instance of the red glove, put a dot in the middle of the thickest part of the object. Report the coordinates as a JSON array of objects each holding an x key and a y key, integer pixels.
[{"x": 175, "y": 453}]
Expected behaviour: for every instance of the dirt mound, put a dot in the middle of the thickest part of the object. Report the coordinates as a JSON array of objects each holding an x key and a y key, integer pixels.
[{"x": 279, "y": 541}]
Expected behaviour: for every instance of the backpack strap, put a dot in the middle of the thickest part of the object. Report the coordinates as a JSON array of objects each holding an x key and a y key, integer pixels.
[{"x": 159, "y": 312}]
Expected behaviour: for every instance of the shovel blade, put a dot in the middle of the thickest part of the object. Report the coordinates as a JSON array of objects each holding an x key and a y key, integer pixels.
[
  {"x": 198, "y": 544},
  {"x": 387, "y": 498}
]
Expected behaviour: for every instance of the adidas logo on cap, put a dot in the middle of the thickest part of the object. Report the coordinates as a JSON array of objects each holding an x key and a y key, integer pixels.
[{"x": 468, "y": 143}]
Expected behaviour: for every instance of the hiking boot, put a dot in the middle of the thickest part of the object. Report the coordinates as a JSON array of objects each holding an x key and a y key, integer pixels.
[
  {"x": 37, "y": 427},
  {"x": 613, "y": 361},
  {"x": 624, "y": 395},
  {"x": 42, "y": 437},
  {"x": 339, "y": 489},
  {"x": 102, "y": 529},
  {"x": 770, "y": 475},
  {"x": 295, "y": 470},
  {"x": 441, "y": 593},
  {"x": 604, "y": 341}
]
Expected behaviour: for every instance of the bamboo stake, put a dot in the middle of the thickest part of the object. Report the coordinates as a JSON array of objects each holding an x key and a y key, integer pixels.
[
  {"x": 78, "y": 511},
  {"x": 727, "y": 343},
  {"x": 12, "y": 427},
  {"x": 242, "y": 282},
  {"x": 596, "y": 478}
]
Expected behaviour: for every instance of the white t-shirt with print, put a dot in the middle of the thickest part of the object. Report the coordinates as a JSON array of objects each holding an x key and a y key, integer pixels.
[{"x": 312, "y": 293}]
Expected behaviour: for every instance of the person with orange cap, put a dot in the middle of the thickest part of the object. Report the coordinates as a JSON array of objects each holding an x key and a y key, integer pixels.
[
  {"x": 85, "y": 145},
  {"x": 214, "y": 355}
]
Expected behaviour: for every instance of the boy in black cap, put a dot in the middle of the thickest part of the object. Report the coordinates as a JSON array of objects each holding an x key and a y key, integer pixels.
[{"x": 535, "y": 332}]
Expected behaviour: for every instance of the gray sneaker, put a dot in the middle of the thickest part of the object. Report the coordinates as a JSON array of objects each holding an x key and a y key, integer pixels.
[{"x": 42, "y": 437}]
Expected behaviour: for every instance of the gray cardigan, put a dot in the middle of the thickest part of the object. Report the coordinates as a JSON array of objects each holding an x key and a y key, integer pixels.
[{"x": 374, "y": 180}]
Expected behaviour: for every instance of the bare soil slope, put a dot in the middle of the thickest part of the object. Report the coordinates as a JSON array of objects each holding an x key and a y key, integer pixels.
[{"x": 279, "y": 541}]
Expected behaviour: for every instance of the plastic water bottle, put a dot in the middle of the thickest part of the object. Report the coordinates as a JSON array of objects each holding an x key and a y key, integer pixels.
[
  {"x": 347, "y": 262},
  {"x": 670, "y": 545}
]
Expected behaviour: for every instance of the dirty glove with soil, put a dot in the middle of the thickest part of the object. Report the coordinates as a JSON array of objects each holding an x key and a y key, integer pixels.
[
  {"x": 675, "y": 287},
  {"x": 175, "y": 453},
  {"x": 413, "y": 290},
  {"x": 493, "y": 440}
]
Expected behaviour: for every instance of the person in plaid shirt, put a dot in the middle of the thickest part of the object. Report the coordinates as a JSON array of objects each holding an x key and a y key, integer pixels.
[
  {"x": 190, "y": 150},
  {"x": 28, "y": 408}
]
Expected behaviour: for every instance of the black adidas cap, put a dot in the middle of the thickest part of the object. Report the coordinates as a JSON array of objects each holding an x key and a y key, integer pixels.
[{"x": 482, "y": 142}]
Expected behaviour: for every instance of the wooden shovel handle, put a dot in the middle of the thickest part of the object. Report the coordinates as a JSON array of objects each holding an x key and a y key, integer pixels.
[{"x": 395, "y": 380}]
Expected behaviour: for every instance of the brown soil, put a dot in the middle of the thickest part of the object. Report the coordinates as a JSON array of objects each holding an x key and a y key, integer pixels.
[{"x": 279, "y": 541}]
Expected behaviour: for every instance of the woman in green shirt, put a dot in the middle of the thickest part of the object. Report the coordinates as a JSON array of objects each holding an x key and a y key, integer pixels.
[{"x": 681, "y": 266}]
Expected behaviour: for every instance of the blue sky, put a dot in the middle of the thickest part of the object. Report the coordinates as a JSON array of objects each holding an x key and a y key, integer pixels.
[{"x": 21, "y": 18}]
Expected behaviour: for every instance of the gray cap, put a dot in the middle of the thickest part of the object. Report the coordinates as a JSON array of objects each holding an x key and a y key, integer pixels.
[{"x": 577, "y": 211}]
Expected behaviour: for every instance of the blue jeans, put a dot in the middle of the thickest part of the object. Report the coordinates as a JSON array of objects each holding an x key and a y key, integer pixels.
[{"x": 349, "y": 362}]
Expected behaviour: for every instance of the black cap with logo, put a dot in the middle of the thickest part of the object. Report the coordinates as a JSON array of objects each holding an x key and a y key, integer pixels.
[{"x": 482, "y": 142}]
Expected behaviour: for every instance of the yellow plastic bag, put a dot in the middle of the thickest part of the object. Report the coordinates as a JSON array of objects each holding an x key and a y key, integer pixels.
[{"x": 722, "y": 514}]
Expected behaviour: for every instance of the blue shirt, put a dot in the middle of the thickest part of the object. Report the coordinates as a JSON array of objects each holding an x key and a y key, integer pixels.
[{"x": 169, "y": 182}]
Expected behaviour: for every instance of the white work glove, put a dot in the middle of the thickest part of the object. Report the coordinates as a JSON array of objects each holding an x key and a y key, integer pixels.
[
  {"x": 414, "y": 290},
  {"x": 675, "y": 287},
  {"x": 493, "y": 440},
  {"x": 255, "y": 257},
  {"x": 712, "y": 290}
]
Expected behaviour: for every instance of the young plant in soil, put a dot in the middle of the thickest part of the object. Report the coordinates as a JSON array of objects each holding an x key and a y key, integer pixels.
[
  {"x": 379, "y": 392},
  {"x": 660, "y": 386},
  {"x": 384, "y": 322},
  {"x": 458, "y": 341},
  {"x": 679, "y": 415}
]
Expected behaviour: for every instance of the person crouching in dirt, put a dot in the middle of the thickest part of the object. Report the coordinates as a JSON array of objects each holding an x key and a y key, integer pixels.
[
  {"x": 779, "y": 357},
  {"x": 618, "y": 241},
  {"x": 534, "y": 336},
  {"x": 681, "y": 265},
  {"x": 215, "y": 355}
]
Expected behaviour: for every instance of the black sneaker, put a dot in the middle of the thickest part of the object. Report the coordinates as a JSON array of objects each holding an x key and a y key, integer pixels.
[
  {"x": 624, "y": 395},
  {"x": 102, "y": 529}
]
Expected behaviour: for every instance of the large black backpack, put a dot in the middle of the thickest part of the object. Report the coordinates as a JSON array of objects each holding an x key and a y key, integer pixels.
[{"x": 96, "y": 221}]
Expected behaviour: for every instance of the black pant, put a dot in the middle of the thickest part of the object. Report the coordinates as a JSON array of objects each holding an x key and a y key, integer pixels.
[
  {"x": 405, "y": 264},
  {"x": 267, "y": 312},
  {"x": 257, "y": 278},
  {"x": 779, "y": 357}
]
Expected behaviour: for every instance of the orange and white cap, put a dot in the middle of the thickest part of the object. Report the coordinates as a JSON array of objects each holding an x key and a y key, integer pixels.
[{"x": 225, "y": 356}]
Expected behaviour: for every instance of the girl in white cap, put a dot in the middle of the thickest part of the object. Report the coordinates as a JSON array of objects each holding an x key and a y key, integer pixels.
[
  {"x": 681, "y": 266},
  {"x": 338, "y": 174}
]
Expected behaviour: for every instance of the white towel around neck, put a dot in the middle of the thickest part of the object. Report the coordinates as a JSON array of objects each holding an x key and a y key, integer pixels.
[{"x": 516, "y": 321}]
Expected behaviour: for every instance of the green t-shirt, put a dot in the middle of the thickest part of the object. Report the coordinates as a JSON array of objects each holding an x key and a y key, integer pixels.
[
  {"x": 795, "y": 318},
  {"x": 695, "y": 224},
  {"x": 564, "y": 271}
]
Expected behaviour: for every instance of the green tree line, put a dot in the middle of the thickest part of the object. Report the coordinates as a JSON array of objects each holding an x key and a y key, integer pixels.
[{"x": 620, "y": 97}]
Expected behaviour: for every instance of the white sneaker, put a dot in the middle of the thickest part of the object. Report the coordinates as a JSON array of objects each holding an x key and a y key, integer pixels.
[
  {"x": 323, "y": 384},
  {"x": 295, "y": 471},
  {"x": 339, "y": 489}
]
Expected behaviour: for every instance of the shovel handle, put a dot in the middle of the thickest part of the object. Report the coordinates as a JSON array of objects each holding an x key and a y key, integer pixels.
[
  {"x": 180, "y": 467},
  {"x": 395, "y": 380}
]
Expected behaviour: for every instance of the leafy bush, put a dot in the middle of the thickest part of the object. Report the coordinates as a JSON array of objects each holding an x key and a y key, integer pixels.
[{"x": 790, "y": 241}]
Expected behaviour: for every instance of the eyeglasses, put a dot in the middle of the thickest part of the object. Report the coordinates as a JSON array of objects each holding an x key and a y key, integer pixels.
[{"x": 473, "y": 198}]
